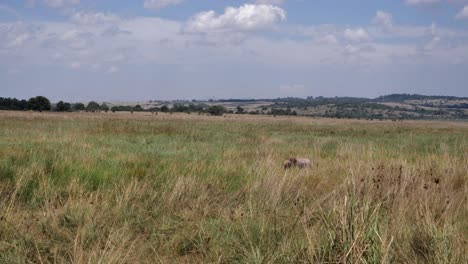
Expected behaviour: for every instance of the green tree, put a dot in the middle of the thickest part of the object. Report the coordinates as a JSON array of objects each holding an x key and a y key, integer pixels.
[
  {"x": 180, "y": 108},
  {"x": 62, "y": 107},
  {"x": 240, "y": 110},
  {"x": 93, "y": 107},
  {"x": 216, "y": 110},
  {"x": 39, "y": 103},
  {"x": 78, "y": 107},
  {"x": 164, "y": 108},
  {"x": 104, "y": 107},
  {"x": 138, "y": 108}
]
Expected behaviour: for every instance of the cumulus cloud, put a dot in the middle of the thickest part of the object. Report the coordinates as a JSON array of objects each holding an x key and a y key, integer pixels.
[
  {"x": 61, "y": 3},
  {"x": 74, "y": 39},
  {"x": 356, "y": 35},
  {"x": 419, "y": 2},
  {"x": 463, "y": 14},
  {"x": 15, "y": 35},
  {"x": 90, "y": 18},
  {"x": 75, "y": 65},
  {"x": 384, "y": 20},
  {"x": 158, "y": 4},
  {"x": 433, "y": 43},
  {"x": 270, "y": 2},
  {"x": 100, "y": 41},
  {"x": 245, "y": 18},
  {"x": 112, "y": 69},
  {"x": 329, "y": 39}
]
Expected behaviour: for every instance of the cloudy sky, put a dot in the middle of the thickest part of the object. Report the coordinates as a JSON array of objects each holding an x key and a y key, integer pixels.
[{"x": 202, "y": 49}]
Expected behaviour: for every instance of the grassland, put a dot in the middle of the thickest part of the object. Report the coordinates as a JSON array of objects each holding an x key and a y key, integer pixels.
[{"x": 141, "y": 188}]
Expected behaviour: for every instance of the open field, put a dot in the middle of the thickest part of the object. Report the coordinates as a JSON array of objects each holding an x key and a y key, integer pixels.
[{"x": 143, "y": 188}]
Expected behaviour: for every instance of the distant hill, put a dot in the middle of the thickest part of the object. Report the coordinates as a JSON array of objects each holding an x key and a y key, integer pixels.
[
  {"x": 405, "y": 97},
  {"x": 392, "y": 106}
]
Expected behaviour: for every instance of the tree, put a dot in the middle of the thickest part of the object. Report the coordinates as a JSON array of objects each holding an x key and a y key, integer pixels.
[
  {"x": 23, "y": 105},
  {"x": 180, "y": 108},
  {"x": 240, "y": 110},
  {"x": 216, "y": 110},
  {"x": 104, "y": 107},
  {"x": 13, "y": 104},
  {"x": 93, "y": 107},
  {"x": 39, "y": 103},
  {"x": 195, "y": 108},
  {"x": 78, "y": 107},
  {"x": 62, "y": 107},
  {"x": 138, "y": 108},
  {"x": 164, "y": 108}
]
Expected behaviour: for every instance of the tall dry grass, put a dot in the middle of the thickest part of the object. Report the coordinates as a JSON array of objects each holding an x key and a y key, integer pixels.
[{"x": 106, "y": 188}]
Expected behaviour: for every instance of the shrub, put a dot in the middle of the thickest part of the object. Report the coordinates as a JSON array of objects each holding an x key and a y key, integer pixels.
[
  {"x": 39, "y": 103},
  {"x": 216, "y": 110}
]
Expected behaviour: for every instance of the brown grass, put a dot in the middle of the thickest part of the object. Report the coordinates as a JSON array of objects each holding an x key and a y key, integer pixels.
[{"x": 141, "y": 188}]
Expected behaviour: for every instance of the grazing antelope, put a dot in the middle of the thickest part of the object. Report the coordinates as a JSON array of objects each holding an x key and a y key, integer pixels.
[{"x": 301, "y": 163}]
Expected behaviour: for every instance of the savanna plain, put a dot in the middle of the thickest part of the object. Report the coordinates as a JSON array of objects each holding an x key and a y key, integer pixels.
[{"x": 144, "y": 188}]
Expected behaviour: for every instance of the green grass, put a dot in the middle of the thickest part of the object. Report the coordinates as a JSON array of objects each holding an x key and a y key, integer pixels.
[{"x": 132, "y": 189}]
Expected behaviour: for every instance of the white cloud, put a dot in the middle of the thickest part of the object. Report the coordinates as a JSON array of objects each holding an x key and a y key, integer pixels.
[
  {"x": 245, "y": 18},
  {"x": 57, "y": 56},
  {"x": 60, "y": 3},
  {"x": 463, "y": 14},
  {"x": 269, "y": 2},
  {"x": 384, "y": 20},
  {"x": 19, "y": 40},
  {"x": 419, "y": 2},
  {"x": 75, "y": 39},
  {"x": 356, "y": 35},
  {"x": 158, "y": 4},
  {"x": 93, "y": 18},
  {"x": 112, "y": 69},
  {"x": 329, "y": 39},
  {"x": 433, "y": 43},
  {"x": 80, "y": 43},
  {"x": 17, "y": 34},
  {"x": 75, "y": 65}
]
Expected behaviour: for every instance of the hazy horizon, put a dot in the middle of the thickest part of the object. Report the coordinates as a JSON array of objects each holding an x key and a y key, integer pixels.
[
  {"x": 83, "y": 50},
  {"x": 205, "y": 99}
]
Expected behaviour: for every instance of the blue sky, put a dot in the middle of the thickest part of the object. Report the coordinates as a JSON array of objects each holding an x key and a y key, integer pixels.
[{"x": 125, "y": 50}]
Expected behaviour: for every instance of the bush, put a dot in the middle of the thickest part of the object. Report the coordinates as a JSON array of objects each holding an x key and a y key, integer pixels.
[
  {"x": 93, "y": 107},
  {"x": 13, "y": 104},
  {"x": 164, "y": 109},
  {"x": 63, "y": 107},
  {"x": 39, "y": 103},
  {"x": 104, "y": 107},
  {"x": 138, "y": 108},
  {"x": 216, "y": 110},
  {"x": 78, "y": 107}
]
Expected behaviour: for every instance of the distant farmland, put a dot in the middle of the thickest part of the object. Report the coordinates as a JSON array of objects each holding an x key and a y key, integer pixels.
[{"x": 171, "y": 188}]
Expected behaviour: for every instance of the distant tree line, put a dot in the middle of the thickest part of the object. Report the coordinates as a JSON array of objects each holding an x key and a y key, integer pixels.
[
  {"x": 38, "y": 103},
  {"x": 41, "y": 103},
  {"x": 334, "y": 107},
  {"x": 217, "y": 110}
]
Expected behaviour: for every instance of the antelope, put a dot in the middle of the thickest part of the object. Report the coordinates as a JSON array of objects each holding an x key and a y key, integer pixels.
[{"x": 301, "y": 163}]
